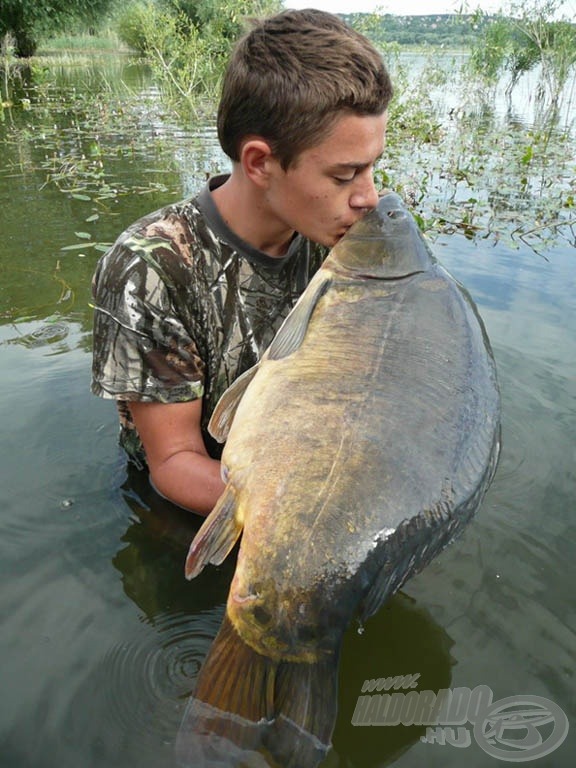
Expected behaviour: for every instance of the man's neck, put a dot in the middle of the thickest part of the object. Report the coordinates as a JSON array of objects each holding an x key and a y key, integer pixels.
[{"x": 243, "y": 208}]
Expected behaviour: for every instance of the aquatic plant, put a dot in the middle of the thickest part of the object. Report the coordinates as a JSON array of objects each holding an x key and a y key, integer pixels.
[
  {"x": 441, "y": 153},
  {"x": 529, "y": 36},
  {"x": 467, "y": 164}
]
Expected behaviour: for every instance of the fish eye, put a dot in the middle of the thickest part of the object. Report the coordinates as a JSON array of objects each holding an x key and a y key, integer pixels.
[{"x": 224, "y": 473}]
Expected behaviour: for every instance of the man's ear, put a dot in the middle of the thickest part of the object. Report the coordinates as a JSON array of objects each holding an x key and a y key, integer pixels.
[{"x": 257, "y": 160}]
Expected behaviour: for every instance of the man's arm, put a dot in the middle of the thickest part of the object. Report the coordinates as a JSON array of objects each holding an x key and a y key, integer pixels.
[{"x": 179, "y": 464}]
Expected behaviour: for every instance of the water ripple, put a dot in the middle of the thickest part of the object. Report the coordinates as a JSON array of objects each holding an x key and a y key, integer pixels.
[
  {"x": 161, "y": 665},
  {"x": 527, "y": 466},
  {"x": 138, "y": 690}
]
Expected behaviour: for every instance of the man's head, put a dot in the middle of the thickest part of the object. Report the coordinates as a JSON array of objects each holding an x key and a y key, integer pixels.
[{"x": 292, "y": 76}]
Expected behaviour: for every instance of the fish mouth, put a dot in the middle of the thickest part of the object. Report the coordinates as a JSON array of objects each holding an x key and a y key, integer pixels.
[
  {"x": 345, "y": 228},
  {"x": 242, "y": 599},
  {"x": 273, "y": 629}
]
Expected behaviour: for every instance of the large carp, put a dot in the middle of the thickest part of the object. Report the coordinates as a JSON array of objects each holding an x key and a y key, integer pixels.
[{"x": 356, "y": 450}]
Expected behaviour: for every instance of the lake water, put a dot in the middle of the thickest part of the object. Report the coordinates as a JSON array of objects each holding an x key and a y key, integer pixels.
[{"x": 101, "y": 637}]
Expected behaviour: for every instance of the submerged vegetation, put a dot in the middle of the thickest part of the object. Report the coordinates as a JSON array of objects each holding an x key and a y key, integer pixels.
[
  {"x": 457, "y": 150},
  {"x": 467, "y": 160}
]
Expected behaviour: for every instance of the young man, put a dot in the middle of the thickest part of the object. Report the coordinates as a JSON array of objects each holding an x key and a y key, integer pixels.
[{"x": 190, "y": 296}]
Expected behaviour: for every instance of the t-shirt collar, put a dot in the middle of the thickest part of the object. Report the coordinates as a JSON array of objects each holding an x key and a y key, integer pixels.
[{"x": 206, "y": 204}]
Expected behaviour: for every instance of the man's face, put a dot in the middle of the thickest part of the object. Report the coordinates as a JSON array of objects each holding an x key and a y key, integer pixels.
[{"x": 330, "y": 186}]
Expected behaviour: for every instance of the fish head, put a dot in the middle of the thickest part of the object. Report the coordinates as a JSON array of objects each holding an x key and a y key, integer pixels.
[
  {"x": 385, "y": 244},
  {"x": 281, "y": 622}
]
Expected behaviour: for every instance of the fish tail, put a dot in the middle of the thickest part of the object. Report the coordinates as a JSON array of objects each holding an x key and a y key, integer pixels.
[
  {"x": 249, "y": 709},
  {"x": 305, "y": 700},
  {"x": 224, "y": 720},
  {"x": 235, "y": 678}
]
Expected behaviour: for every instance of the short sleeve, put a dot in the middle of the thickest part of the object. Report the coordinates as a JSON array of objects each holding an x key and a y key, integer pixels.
[{"x": 142, "y": 351}]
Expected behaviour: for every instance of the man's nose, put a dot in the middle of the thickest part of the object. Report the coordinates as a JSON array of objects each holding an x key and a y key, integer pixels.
[{"x": 365, "y": 195}]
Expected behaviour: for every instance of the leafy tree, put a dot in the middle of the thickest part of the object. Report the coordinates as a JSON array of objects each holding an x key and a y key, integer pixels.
[
  {"x": 187, "y": 42},
  {"x": 505, "y": 47},
  {"x": 27, "y": 20}
]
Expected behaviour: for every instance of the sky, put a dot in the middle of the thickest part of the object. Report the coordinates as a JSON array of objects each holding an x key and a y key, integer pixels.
[{"x": 413, "y": 7}]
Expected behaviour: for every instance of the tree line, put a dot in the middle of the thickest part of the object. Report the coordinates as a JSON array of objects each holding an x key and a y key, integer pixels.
[
  {"x": 453, "y": 30},
  {"x": 28, "y": 22},
  {"x": 187, "y": 41}
]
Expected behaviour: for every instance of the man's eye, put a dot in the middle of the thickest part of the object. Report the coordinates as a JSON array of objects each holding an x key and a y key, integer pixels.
[{"x": 341, "y": 180}]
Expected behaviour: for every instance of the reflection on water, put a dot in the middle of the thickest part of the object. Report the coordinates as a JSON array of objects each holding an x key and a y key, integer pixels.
[
  {"x": 402, "y": 639},
  {"x": 398, "y": 637},
  {"x": 101, "y": 636}
]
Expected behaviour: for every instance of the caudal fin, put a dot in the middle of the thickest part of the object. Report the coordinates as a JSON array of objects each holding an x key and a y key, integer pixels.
[
  {"x": 249, "y": 710},
  {"x": 236, "y": 679},
  {"x": 306, "y": 701}
]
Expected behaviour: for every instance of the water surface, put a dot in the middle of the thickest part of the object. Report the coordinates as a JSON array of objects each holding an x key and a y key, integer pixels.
[{"x": 101, "y": 637}]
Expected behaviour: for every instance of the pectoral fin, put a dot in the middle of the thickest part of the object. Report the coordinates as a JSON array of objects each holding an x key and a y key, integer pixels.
[
  {"x": 286, "y": 341},
  {"x": 216, "y": 537},
  {"x": 292, "y": 331},
  {"x": 223, "y": 415}
]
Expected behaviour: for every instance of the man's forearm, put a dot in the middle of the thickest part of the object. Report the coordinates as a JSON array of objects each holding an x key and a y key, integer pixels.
[{"x": 189, "y": 479}]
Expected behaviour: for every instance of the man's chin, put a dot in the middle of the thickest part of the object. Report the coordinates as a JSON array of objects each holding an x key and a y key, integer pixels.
[{"x": 330, "y": 240}]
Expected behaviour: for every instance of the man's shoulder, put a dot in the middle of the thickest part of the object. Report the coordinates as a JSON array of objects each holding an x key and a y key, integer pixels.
[
  {"x": 166, "y": 239},
  {"x": 170, "y": 232},
  {"x": 178, "y": 223}
]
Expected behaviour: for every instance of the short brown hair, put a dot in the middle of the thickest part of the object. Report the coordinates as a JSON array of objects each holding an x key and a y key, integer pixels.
[{"x": 291, "y": 75}]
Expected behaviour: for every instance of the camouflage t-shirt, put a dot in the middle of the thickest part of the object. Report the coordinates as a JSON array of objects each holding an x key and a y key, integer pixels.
[{"x": 183, "y": 306}]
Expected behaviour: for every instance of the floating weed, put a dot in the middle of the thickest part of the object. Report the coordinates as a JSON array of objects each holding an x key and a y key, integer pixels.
[
  {"x": 461, "y": 162},
  {"x": 494, "y": 181},
  {"x": 466, "y": 164},
  {"x": 50, "y": 332},
  {"x": 81, "y": 133},
  {"x": 85, "y": 246}
]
